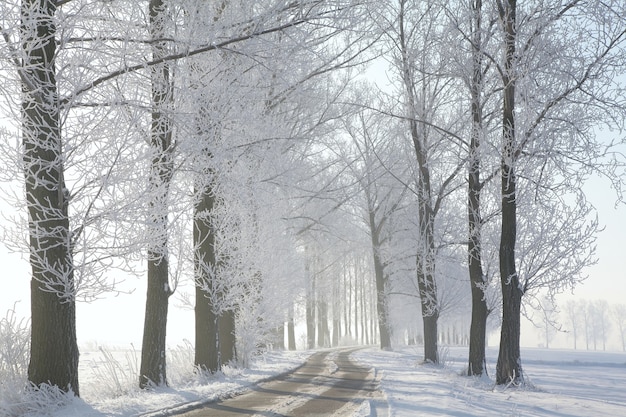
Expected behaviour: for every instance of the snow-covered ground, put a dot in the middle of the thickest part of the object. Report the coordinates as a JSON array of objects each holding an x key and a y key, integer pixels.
[
  {"x": 561, "y": 383},
  {"x": 109, "y": 384}
]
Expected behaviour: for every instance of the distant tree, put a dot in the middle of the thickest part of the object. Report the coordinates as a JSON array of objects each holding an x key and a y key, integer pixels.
[
  {"x": 619, "y": 316},
  {"x": 601, "y": 322},
  {"x": 416, "y": 61},
  {"x": 373, "y": 163},
  {"x": 549, "y": 317},
  {"x": 573, "y": 318},
  {"x": 584, "y": 309}
]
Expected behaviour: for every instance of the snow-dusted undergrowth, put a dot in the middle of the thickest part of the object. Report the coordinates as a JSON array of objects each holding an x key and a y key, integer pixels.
[
  {"x": 109, "y": 379},
  {"x": 561, "y": 383}
]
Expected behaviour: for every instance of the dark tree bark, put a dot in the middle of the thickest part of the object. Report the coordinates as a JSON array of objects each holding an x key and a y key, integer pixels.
[
  {"x": 356, "y": 304},
  {"x": 427, "y": 286},
  {"x": 53, "y": 347},
  {"x": 509, "y": 366},
  {"x": 291, "y": 331},
  {"x": 310, "y": 310},
  {"x": 323, "y": 332},
  {"x": 227, "y": 338},
  {"x": 206, "y": 332},
  {"x": 364, "y": 326},
  {"x": 336, "y": 335},
  {"x": 480, "y": 311},
  {"x": 153, "y": 365},
  {"x": 381, "y": 283}
]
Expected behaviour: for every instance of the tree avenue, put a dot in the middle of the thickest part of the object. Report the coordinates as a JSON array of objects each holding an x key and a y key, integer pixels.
[{"x": 247, "y": 152}]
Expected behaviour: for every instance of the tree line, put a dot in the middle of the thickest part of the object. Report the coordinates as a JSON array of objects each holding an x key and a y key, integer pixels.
[
  {"x": 240, "y": 146},
  {"x": 590, "y": 323}
]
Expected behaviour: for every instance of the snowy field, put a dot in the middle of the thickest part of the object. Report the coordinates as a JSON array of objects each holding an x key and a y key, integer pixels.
[{"x": 562, "y": 383}]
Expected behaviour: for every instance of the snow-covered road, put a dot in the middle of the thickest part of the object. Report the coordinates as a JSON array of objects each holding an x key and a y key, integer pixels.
[{"x": 329, "y": 384}]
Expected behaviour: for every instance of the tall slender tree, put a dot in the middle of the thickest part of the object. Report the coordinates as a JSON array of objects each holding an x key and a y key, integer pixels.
[
  {"x": 478, "y": 279},
  {"x": 153, "y": 364},
  {"x": 548, "y": 148},
  {"x": 509, "y": 366}
]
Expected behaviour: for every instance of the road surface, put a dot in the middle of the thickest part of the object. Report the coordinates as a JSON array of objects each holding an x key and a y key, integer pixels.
[{"x": 328, "y": 384}]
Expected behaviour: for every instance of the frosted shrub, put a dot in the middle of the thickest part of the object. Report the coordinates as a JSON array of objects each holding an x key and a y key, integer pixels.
[
  {"x": 116, "y": 377},
  {"x": 180, "y": 360},
  {"x": 14, "y": 351}
]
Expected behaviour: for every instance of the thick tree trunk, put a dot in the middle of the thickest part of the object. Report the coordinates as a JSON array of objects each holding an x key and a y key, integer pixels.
[
  {"x": 53, "y": 347},
  {"x": 206, "y": 342},
  {"x": 280, "y": 337},
  {"x": 323, "y": 332},
  {"x": 480, "y": 311},
  {"x": 509, "y": 366},
  {"x": 153, "y": 364},
  {"x": 227, "y": 337},
  {"x": 431, "y": 353},
  {"x": 153, "y": 367},
  {"x": 478, "y": 332}
]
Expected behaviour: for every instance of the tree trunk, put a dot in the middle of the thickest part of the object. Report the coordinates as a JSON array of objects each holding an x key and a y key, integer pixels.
[
  {"x": 291, "y": 331},
  {"x": 426, "y": 253},
  {"x": 322, "y": 324},
  {"x": 227, "y": 341},
  {"x": 381, "y": 283},
  {"x": 206, "y": 342},
  {"x": 349, "y": 302},
  {"x": 310, "y": 310},
  {"x": 509, "y": 366},
  {"x": 53, "y": 347},
  {"x": 356, "y": 304},
  {"x": 346, "y": 300},
  {"x": 431, "y": 353},
  {"x": 364, "y": 329},
  {"x": 153, "y": 365},
  {"x": 478, "y": 327}
]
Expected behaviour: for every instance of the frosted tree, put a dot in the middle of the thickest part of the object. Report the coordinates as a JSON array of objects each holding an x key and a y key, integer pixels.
[
  {"x": 550, "y": 84},
  {"x": 600, "y": 322},
  {"x": 474, "y": 23},
  {"x": 414, "y": 41},
  {"x": 619, "y": 316},
  {"x": 374, "y": 164},
  {"x": 54, "y": 352},
  {"x": 68, "y": 158},
  {"x": 572, "y": 315},
  {"x": 153, "y": 364}
]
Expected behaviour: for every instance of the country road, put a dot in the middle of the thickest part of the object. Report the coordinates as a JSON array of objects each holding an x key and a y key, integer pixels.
[{"x": 328, "y": 384}]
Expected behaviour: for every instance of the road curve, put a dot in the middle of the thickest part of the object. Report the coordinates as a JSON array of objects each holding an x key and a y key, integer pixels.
[{"x": 328, "y": 384}]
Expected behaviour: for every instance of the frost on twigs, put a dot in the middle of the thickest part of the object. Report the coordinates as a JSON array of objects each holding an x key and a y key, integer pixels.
[
  {"x": 14, "y": 347},
  {"x": 116, "y": 377}
]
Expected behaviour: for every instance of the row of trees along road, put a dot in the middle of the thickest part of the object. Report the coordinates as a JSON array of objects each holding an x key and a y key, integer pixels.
[{"x": 234, "y": 143}]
